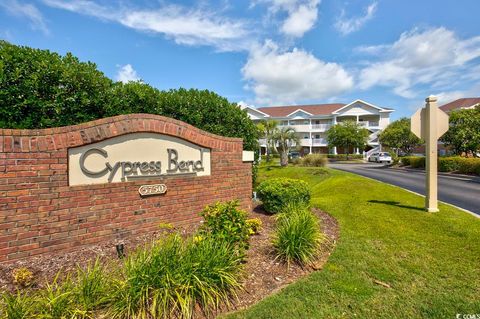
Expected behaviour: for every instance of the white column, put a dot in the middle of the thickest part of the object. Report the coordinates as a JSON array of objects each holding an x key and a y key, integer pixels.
[
  {"x": 357, "y": 150},
  {"x": 334, "y": 122},
  {"x": 311, "y": 142}
]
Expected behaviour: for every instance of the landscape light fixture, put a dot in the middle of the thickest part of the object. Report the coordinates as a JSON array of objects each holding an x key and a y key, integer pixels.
[{"x": 120, "y": 250}]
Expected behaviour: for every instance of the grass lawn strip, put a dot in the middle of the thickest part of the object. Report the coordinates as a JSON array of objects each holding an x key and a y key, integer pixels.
[{"x": 393, "y": 260}]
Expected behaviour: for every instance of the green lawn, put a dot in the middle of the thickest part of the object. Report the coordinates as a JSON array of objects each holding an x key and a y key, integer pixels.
[{"x": 431, "y": 261}]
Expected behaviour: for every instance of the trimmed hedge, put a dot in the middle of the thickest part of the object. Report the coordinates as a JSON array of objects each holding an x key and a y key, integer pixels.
[
  {"x": 413, "y": 161},
  {"x": 446, "y": 164},
  {"x": 277, "y": 193},
  {"x": 343, "y": 157}
]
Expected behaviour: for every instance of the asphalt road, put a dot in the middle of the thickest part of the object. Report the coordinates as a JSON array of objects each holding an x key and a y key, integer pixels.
[{"x": 462, "y": 191}]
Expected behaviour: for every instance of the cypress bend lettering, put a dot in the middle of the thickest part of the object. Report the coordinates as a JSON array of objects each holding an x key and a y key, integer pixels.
[{"x": 138, "y": 170}]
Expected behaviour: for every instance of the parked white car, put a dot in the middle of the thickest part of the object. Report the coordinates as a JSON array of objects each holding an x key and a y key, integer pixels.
[{"x": 381, "y": 157}]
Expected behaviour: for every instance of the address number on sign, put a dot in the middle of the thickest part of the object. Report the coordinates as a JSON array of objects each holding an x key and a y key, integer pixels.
[{"x": 146, "y": 190}]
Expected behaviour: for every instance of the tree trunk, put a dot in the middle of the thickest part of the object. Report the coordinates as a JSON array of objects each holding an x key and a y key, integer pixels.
[{"x": 284, "y": 158}]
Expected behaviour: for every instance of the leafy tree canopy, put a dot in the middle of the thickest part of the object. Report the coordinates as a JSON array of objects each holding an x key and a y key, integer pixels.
[
  {"x": 40, "y": 89},
  {"x": 398, "y": 136},
  {"x": 347, "y": 134},
  {"x": 464, "y": 132}
]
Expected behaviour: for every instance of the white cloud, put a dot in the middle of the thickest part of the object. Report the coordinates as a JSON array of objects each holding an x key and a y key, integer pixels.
[
  {"x": 301, "y": 15},
  {"x": 127, "y": 73},
  {"x": 26, "y": 10},
  {"x": 286, "y": 77},
  {"x": 183, "y": 25},
  {"x": 346, "y": 26},
  {"x": 434, "y": 57},
  {"x": 446, "y": 97}
]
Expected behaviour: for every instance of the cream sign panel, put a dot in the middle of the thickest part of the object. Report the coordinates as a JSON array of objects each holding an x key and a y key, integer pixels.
[{"x": 134, "y": 157}]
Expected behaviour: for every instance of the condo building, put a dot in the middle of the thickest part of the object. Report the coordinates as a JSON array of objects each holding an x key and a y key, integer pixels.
[{"x": 311, "y": 122}]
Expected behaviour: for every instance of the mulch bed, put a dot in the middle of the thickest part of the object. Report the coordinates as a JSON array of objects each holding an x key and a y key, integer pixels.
[{"x": 265, "y": 274}]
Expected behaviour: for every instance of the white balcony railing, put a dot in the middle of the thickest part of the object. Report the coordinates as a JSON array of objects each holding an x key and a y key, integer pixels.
[
  {"x": 301, "y": 127},
  {"x": 368, "y": 124},
  {"x": 305, "y": 142},
  {"x": 321, "y": 127},
  {"x": 319, "y": 141}
]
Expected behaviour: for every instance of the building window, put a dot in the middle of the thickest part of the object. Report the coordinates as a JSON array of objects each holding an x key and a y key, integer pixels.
[{"x": 306, "y": 136}]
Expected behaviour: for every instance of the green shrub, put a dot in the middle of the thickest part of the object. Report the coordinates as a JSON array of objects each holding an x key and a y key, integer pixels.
[
  {"x": 276, "y": 193},
  {"x": 254, "y": 225},
  {"x": 314, "y": 160},
  {"x": 469, "y": 166},
  {"x": 395, "y": 159},
  {"x": 343, "y": 157},
  {"x": 448, "y": 164},
  {"x": 417, "y": 162},
  {"x": 413, "y": 161},
  {"x": 226, "y": 222},
  {"x": 40, "y": 89},
  {"x": 19, "y": 305},
  {"x": 171, "y": 277},
  {"x": 297, "y": 235},
  {"x": 22, "y": 276},
  {"x": 405, "y": 161}
]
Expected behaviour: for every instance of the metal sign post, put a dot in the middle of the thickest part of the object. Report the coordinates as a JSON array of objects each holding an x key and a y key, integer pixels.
[{"x": 429, "y": 124}]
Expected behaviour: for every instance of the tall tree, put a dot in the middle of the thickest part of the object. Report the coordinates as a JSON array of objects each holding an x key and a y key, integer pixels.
[
  {"x": 40, "y": 89},
  {"x": 399, "y": 137},
  {"x": 347, "y": 134},
  {"x": 285, "y": 139},
  {"x": 268, "y": 129},
  {"x": 464, "y": 133}
]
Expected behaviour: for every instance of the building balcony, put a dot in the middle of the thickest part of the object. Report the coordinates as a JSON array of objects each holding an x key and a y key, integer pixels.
[
  {"x": 319, "y": 142},
  {"x": 321, "y": 127},
  {"x": 313, "y": 142},
  {"x": 301, "y": 127},
  {"x": 368, "y": 124}
]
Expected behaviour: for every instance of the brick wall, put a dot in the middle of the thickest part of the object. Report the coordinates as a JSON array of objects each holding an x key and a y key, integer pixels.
[{"x": 40, "y": 212}]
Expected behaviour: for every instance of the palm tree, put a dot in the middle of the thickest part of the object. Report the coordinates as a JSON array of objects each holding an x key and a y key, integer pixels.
[
  {"x": 267, "y": 130},
  {"x": 285, "y": 139}
]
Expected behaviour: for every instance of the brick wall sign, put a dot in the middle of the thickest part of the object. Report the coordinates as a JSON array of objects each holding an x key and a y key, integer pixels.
[{"x": 108, "y": 179}]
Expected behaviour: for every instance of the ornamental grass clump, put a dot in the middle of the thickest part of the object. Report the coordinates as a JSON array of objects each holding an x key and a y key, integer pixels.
[
  {"x": 57, "y": 300},
  {"x": 91, "y": 286},
  {"x": 297, "y": 235},
  {"x": 314, "y": 160},
  {"x": 276, "y": 193},
  {"x": 19, "y": 305},
  {"x": 171, "y": 277}
]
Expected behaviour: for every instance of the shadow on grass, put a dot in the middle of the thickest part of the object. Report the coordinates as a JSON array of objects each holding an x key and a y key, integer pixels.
[{"x": 397, "y": 204}]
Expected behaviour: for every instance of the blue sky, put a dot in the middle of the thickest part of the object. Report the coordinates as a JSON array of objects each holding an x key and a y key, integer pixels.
[{"x": 268, "y": 52}]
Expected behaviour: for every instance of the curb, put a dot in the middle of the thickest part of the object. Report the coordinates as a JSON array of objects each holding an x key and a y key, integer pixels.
[
  {"x": 453, "y": 175},
  {"x": 415, "y": 193}
]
